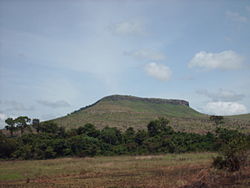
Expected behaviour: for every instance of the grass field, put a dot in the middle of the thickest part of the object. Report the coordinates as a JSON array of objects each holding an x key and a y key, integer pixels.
[{"x": 171, "y": 170}]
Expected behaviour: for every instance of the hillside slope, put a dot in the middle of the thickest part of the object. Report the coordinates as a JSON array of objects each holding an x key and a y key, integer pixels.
[{"x": 125, "y": 111}]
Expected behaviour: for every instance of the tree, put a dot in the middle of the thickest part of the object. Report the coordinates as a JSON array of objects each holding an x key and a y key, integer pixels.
[
  {"x": 88, "y": 129},
  {"x": 158, "y": 126},
  {"x": 111, "y": 135},
  {"x": 233, "y": 155},
  {"x": 7, "y": 146},
  {"x": 140, "y": 136},
  {"x": 129, "y": 135},
  {"x": 10, "y": 126},
  {"x": 49, "y": 127},
  {"x": 36, "y": 124},
  {"x": 22, "y": 123},
  {"x": 217, "y": 119},
  {"x": 83, "y": 145}
]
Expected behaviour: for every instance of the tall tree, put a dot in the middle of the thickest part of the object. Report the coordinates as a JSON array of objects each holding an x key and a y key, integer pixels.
[
  {"x": 10, "y": 125},
  {"x": 22, "y": 123},
  {"x": 36, "y": 124},
  {"x": 158, "y": 126}
]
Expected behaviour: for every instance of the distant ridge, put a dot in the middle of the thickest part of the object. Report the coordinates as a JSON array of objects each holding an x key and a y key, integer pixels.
[
  {"x": 150, "y": 100},
  {"x": 123, "y": 111},
  {"x": 134, "y": 98}
]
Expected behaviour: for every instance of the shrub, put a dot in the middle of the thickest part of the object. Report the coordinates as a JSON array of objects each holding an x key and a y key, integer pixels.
[{"x": 233, "y": 155}]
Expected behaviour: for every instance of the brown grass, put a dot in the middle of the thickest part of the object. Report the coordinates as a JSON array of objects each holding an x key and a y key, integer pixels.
[{"x": 160, "y": 171}]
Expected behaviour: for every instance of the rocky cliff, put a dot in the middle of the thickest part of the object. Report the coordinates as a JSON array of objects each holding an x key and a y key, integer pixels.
[{"x": 149, "y": 100}]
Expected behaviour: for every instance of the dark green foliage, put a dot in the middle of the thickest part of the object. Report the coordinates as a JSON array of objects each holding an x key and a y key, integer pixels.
[
  {"x": 7, "y": 146},
  {"x": 217, "y": 119},
  {"x": 83, "y": 146},
  {"x": 158, "y": 126},
  {"x": 10, "y": 125},
  {"x": 51, "y": 141},
  {"x": 233, "y": 150},
  {"x": 22, "y": 123},
  {"x": 88, "y": 129},
  {"x": 140, "y": 136},
  {"x": 111, "y": 136},
  {"x": 49, "y": 127},
  {"x": 36, "y": 124},
  {"x": 129, "y": 135}
]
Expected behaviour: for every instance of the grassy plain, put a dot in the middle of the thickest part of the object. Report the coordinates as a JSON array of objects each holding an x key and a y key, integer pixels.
[{"x": 171, "y": 170}]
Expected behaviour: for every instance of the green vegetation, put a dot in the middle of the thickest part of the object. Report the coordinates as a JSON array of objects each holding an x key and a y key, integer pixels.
[
  {"x": 52, "y": 141},
  {"x": 240, "y": 117},
  {"x": 233, "y": 150},
  {"x": 125, "y": 112},
  {"x": 217, "y": 119},
  {"x": 19, "y": 123},
  {"x": 155, "y": 156}
]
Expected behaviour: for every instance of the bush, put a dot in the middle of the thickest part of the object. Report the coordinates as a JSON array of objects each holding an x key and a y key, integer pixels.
[
  {"x": 233, "y": 155},
  {"x": 7, "y": 146}
]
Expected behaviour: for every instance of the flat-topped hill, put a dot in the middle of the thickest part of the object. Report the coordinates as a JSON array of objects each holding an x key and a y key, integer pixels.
[
  {"x": 124, "y": 111},
  {"x": 147, "y": 100}
]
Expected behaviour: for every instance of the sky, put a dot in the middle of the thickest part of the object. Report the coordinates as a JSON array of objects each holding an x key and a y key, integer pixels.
[{"x": 58, "y": 56}]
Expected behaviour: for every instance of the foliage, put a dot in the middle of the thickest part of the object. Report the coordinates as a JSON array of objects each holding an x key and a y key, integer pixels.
[
  {"x": 217, "y": 119},
  {"x": 22, "y": 123},
  {"x": 233, "y": 150},
  {"x": 51, "y": 141},
  {"x": 10, "y": 125},
  {"x": 7, "y": 146}
]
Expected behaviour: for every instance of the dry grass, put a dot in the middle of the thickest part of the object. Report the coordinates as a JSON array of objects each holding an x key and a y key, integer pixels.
[
  {"x": 211, "y": 178},
  {"x": 125, "y": 113},
  {"x": 172, "y": 170}
]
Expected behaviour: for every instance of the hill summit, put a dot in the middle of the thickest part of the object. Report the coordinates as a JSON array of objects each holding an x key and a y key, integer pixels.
[
  {"x": 125, "y": 111},
  {"x": 149, "y": 100},
  {"x": 137, "y": 99}
]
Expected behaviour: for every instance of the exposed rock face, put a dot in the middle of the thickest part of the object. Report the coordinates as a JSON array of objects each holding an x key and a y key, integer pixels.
[{"x": 150, "y": 100}]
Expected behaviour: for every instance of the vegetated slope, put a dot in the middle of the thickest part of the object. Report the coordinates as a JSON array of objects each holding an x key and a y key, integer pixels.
[
  {"x": 240, "y": 117},
  {"x": 128, "y": 111}
]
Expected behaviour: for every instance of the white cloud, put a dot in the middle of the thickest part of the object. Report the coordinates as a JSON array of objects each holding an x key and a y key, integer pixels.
[
  {"x": 225, "y": 108},
  {"x": 54, "y": 104},
  {"x": 158, "y": 71},
  {"x": 221, "y": 95},
  {"x": 226, "y": 60},
  {"x": 147, "y": 54},
  {"x": 236, "y": 17},
  {"x": 128, "y": 28},
  {"x": 3, "y": 117}
]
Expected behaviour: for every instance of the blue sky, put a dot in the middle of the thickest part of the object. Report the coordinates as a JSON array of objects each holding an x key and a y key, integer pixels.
[{"x": 58, "y": 56}]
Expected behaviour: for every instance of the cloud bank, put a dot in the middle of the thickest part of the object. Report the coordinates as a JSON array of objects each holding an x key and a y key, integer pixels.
[
  {"x": 221, "y": 95},
  {"x": 225, "y": 108},
  {"x": 226, "y": 60},
  {"x": 3, "y": 117},
  {"x": 158, "y": 71}
]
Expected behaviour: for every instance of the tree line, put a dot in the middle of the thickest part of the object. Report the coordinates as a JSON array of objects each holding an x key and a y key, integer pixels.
[{"x": 51, "y": 141}]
